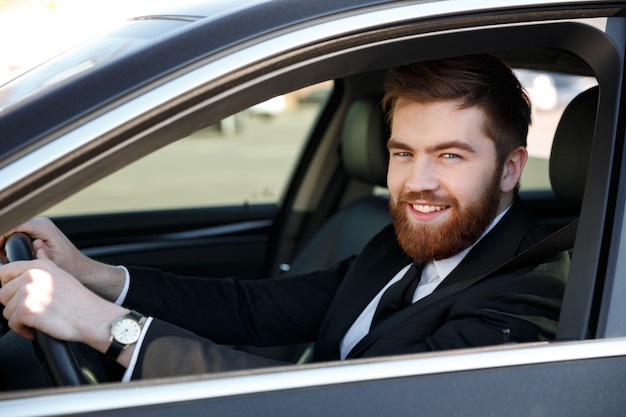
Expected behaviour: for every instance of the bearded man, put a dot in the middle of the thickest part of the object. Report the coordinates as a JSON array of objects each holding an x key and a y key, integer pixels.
[{"x": 456, "y": 153}]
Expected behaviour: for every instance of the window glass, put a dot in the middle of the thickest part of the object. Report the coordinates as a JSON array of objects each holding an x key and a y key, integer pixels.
[
  {"x": 549, "y": 93},
  {"x": 245, "y": 159},
  {"x": 124, "y": 39}
]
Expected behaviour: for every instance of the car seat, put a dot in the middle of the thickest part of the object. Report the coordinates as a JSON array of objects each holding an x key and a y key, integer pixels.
[
  {"x": 365, "y": 158},
  {"x": 571, "y": 149},
  {"x": 569, "y": 162}
]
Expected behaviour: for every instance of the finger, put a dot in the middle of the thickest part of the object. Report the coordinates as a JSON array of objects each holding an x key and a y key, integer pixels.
[
  {"x": 7, "y": 292},
  {"x": 36, "y": 227},
  {"x": 12, "y": 300},
  {"x": 9, "y": 301},
  {"x": 41, "y": 253},
  {"x": 13, "y": 270},
  {"x": 8, "y": 273},
  {"x": 38, "y": 244},
  {"x": 20, "y": 328},
  {"x": 24, "y": 227}
]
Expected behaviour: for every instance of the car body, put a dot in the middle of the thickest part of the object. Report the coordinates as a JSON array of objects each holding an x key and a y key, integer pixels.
[{"x": 161, "y": 77}]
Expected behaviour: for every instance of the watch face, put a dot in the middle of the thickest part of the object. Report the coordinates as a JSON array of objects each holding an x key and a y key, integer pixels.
[{"x": 126, "y": 331}]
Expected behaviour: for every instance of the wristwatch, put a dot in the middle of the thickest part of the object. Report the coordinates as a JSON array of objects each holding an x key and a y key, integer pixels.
[{"x": 125, "y": 331}]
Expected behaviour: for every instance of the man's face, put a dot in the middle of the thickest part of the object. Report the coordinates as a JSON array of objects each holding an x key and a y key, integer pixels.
[{"x": 444, "y": 179}]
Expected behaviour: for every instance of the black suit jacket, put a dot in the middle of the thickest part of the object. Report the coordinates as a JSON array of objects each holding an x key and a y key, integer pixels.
[{"x": 321, "y": 306}]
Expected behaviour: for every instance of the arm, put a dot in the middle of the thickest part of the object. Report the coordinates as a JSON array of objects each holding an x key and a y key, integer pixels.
[
  {"x": 231, "y": 311},
  {"x": 264, "y": 312},
  {"x": 164, "y": 345}
]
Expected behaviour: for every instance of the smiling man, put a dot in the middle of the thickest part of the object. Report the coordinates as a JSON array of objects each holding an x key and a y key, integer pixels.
[
  {"x": 446, "y": 184},
  {"x": 457, "y": 150}
]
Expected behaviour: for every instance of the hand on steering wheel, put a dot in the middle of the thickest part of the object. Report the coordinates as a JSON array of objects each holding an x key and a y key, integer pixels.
[{"x": 57, "y": 355}]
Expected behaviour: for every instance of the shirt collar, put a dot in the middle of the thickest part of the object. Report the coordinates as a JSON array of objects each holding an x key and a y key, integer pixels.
[{"x": 445, "y": 266}]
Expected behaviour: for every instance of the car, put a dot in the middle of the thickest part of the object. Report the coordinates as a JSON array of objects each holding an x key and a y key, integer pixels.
[{"x": 116, "y": 141}]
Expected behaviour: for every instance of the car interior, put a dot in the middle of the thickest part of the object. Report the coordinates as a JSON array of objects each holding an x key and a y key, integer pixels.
[
  {"x": 355, "y": 205},
  {"x": 335, "y": 200},
  {"x": 347, "y": 231}
]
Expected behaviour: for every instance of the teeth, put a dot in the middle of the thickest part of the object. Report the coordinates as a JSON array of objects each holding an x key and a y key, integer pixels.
[{"x": 427, "y": 209}]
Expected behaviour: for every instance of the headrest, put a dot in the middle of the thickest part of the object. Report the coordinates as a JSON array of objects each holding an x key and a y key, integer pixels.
[
  {"x": 364, "y": 142},
  {"x": 571, "y": 149}
]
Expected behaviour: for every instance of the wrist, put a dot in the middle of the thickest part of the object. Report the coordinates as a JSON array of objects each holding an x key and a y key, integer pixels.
[
  {"x": 105, "y": 280},
  {"x": 125, "y": 332},
  {"x": 98, "y": 332},
  {"x": 100, "y": 335}
]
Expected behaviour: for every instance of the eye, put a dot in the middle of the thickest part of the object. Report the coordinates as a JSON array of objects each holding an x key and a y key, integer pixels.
[
  {"x": 450, "y": 156},
  {"x": 401, "y": 154}
]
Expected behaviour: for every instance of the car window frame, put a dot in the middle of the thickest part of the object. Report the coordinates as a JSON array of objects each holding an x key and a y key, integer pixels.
[{"x": 602, "y": 161}]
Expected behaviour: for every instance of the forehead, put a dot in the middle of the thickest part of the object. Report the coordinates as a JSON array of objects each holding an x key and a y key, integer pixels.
[{"x": 441, "y": 120}]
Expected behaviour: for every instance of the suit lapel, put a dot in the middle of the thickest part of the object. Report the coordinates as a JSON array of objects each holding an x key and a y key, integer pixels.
[
  {"x": 502, "y": 243},
  {"x": 380, "y": 260}
]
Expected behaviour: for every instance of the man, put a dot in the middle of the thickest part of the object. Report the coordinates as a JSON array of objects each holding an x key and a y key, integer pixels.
[{"x": 457, "y": 151}]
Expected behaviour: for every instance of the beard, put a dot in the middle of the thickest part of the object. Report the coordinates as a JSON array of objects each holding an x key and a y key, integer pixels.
[{"x": 427, "y": 242}]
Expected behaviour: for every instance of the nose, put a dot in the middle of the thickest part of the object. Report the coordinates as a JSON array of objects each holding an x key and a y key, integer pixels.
[{"x": 421, "y": 176}]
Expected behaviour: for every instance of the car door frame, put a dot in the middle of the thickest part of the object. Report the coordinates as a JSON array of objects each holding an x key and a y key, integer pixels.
[{"x": 491, "y": 386}]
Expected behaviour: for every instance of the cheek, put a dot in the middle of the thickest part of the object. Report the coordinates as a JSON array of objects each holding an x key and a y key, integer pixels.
[
  {"x": 395, "y": 181},
  {"x": 470, "y": 185}
]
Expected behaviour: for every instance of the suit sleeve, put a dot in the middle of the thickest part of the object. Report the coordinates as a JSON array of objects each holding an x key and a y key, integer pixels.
[
  {"x": 169, "y": 350},
  {"x": 231, "y": 311}
]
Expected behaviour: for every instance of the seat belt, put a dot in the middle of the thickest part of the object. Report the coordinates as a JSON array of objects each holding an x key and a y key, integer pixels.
[{"x": 557, "y": 242}]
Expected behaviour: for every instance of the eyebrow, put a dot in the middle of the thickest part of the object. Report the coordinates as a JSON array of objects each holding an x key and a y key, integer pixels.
[
  {"x": 456, "y": 144},
  {"x": 395, "y": 143},
  {"x": 452, "y": 144}
]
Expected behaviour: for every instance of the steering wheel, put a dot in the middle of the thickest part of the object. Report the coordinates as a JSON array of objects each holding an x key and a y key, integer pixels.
[{"x": 57, "y": 356}]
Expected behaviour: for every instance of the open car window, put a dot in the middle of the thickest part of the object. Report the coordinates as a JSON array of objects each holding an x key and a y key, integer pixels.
[
  {"x": 246, "y": 158},
  {"x": 549, "y": 92}
]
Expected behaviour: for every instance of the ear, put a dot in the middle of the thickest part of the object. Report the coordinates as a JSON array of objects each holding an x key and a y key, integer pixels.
[{"x": 513, "y": 167}]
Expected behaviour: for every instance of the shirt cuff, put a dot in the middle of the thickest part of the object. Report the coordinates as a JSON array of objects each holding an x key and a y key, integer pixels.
[
  {"x": 122, "y": 297},
  {"x": 133, "y": 360}
]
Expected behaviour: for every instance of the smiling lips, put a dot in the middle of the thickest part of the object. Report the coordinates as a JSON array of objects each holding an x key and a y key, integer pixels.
[{"x": 422, "y": 208}]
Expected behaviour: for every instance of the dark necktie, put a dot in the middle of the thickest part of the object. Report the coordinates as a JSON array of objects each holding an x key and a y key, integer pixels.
[{"x": 399, "y": 295}]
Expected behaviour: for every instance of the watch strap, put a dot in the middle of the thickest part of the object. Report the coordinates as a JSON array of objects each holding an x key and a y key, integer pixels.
[
  {"x": 115, "y": 349},
  {"x": 135, "y": 316}
]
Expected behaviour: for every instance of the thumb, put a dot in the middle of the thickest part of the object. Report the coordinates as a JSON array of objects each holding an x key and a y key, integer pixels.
[{"x": 41, "y": 254}]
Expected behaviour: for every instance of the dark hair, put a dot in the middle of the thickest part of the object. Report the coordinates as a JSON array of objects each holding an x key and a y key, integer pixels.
[{"x": 475, "y": 80}]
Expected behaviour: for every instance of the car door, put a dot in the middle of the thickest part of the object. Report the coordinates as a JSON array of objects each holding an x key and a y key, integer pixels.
[{"x": 569, "y": 377}]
